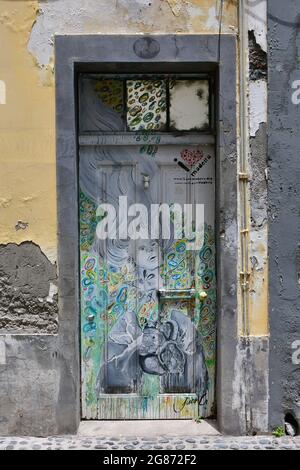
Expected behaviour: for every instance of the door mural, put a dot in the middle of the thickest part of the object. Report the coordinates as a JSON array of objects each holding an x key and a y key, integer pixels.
[{"x": 148, "y": 290}]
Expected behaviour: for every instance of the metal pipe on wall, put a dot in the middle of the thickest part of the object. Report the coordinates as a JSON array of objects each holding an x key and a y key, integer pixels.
[{"x": 245, "y": 272}]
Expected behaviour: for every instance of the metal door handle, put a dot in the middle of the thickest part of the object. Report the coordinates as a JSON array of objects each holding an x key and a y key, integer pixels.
[{"x": 176, "y": 293}]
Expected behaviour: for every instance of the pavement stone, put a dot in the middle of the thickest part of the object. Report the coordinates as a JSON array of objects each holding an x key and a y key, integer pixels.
[{"x": 151, "y": 443}]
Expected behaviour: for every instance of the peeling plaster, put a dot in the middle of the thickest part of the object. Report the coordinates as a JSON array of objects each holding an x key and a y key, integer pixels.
[
  {"x": 21, "y": 225},
  {"x": 53, "y": 290},
  {"x": 28, "y": 301},
  {"x": 122, "y": 16},
  {"x": 213, "y": 20},
  {"x": 28, "y": 136},
  {"x": 175, "y": 6},
  {"x": 257, "y": 108},
  {"x": 257, "y": 104},
  {"x": 258, "y": 67},
  {"x": 64, "y": 17},
  {"x": 258, "y": 306},
  {"x": 257, "y": 21}
]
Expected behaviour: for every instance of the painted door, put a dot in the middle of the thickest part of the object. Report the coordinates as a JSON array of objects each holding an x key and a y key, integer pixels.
[{"x": 147, "y": 277}]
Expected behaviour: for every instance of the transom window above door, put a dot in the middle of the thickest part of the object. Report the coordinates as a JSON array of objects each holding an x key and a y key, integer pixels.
[{"x": 158, "y": 104}]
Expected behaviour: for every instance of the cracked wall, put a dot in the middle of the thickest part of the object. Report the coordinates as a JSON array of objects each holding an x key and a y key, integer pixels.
[
  {"x": 284, "y": 221},
  {"x": 28, "y": 292},
  {"x": 257, "y": 109},
  {"x": 27, "y": 120}
]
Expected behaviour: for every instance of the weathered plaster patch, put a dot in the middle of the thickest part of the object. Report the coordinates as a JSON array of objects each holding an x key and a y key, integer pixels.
[
  {"x": 194, "y": 10},
  {"x": 27, "y": 199},
  {"x": 64, "y": 17},
  {"x": 51, "y": 254},
  {"x": 258, "y": 305},
  {"x": 27, "y": 136},
  {"x": 26, "y": 283},
  {"x": 5, "y": 202},
  {"x": 2, "y": 352},
  {"x": 17, "y": 19},
  {"x": 204, "y": 15},
  {"x": 239, "y": 389},
  {"x": 21, "y": 225},
  {"x": 175, "y": 6},
  {"x": 122, "y": 16},
  {"x": 53, "y": 290},
  {"x": 257, "y": 107},
  {"x": 213, "y": 19},
  {"x": 258, "y": 301},
  {"x": 95, "y": 16},
  {"x": 2, "y": 92},
  {"x": 29, "y": 386},
  {"x": 250, "y": 386},
  {"x": 257, "y": 21},
  {"x": 258, "y": 183},
  {"x": 257, "y": 104}
]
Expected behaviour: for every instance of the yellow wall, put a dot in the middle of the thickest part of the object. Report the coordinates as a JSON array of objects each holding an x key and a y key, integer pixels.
[
  {"x": 27, "y": 152},
  {"x": 27, "y": 120}
]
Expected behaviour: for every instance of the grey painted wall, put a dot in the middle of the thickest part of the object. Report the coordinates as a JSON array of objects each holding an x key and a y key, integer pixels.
[{"x": 284, "y": 194}]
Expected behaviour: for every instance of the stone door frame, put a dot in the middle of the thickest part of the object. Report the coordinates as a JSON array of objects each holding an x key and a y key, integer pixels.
[{"x": 146, "y": 54}]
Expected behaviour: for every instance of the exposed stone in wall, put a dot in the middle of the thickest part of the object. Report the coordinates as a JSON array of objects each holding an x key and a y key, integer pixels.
[
  {"x": 258, "y": 67},
  {"x": 28, "y": 299}
]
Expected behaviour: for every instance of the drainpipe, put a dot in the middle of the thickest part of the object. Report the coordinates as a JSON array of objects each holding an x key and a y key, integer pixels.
[{"x": 243, "y": 170}]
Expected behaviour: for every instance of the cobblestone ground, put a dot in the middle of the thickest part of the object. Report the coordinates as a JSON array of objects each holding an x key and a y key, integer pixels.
[{"x": 157, "y": 443}]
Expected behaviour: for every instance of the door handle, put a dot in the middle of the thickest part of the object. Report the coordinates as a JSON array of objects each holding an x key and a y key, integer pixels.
[{"x": 176, "y": 293}]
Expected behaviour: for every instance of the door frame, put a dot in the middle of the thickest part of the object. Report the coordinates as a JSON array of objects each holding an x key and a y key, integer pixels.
[{"x": 146, "y": 54}]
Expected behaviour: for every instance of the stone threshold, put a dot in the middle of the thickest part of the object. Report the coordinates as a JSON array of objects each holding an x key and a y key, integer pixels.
[{"x": 143, "y": 428}]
